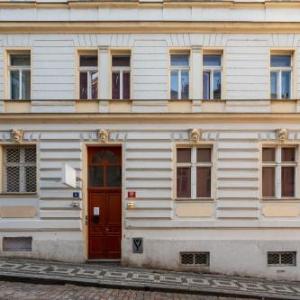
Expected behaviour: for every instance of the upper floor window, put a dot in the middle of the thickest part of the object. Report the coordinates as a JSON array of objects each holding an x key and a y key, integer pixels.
[
  {"x": 281, "y": 76},
  {"x": 19, "y": 75},
  {"x": 19, "y": 169},
  {"x": 180, "y": 76},
  {"x": 88, "y": 76},
  {"x": 121, "y": 77},
  {"x": 212, "y": 76},
  {"x": 279, "y": 171},
  {"x": 194, "y": 168}
]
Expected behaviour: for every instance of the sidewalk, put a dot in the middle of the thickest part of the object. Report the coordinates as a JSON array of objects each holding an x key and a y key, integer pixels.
[{"x": 114, "y": 276}]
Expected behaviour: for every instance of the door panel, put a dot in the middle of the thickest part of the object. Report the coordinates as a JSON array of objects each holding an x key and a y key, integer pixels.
[{"x": 104, "y": 197}]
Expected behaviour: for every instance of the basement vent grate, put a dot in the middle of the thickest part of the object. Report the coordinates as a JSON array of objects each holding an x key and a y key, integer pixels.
[
  {"x": 17, "y": 244},
  {"x": 195, "y": 258},
  {"x": 282, "y": 258}
]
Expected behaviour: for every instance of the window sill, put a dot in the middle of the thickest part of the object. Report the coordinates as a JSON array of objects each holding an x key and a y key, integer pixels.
[
  {"x": 18, "y": 194},
  {"x": 194, "y": 200},
  {"x": 284, "y": 199}
]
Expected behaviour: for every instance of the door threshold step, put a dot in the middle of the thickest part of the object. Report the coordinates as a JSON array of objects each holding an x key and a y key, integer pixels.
[{"x": 103, "y": 261}]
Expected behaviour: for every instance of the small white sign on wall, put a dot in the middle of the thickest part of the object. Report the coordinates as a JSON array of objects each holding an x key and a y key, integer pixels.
[{"x": 69, "y": 176}]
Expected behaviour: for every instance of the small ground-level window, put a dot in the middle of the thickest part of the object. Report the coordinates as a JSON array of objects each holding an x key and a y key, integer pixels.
[
  {"x": 194, "y": 168},
  {"x": 279, "y": 171},
  {"x": 282, "y": 259},
  {"x": 20, "y": 169}
]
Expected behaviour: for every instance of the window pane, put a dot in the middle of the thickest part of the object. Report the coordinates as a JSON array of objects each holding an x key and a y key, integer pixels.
[
  {"x": 268, "y": 154},
  {"x": 30, "y": 154},
  {"x": 288, "y": 154},
  {"x": 88, "y": 61},
  {"x": 180, "y": 60},
  {"x": 25, "y": 84},
  {"x": 14, "y": 84},
  {"x": 83, "y": 85},
  {"x": 13, "y": 154},
  {"x": 287, "y": 181},
  {"x": 206, "y": 85},
  {"x": 94, "y": 85},
  {"x": 203, "y": 155},
  {"x": 184, "y": 155},
  {"x": 268, "y": 181},
  {"x": 174, "y": 85},
  {"x": 203, "y": 181},
  {"x": 121, "y": 61},
  {"x": 96, "y": 178},
  {"x": 274, "y": 85},
  {"x": 184, "y": 85},
  {"x": 217, "y": 85},
  {"x": 212, "y": 60},
  {"x": 13, "y": 179},
  {"x": 113, "y": 176},
  {"x": 30, "y": 179},
  {"x": 126, "y": 85},
  {"x": 286, "y": 85},
  {"x": 116, "y": 85},
  {"x": 280, "y": 60},
  {"x": 20, "y": 60},
  {"x": 184, "y": 182}
]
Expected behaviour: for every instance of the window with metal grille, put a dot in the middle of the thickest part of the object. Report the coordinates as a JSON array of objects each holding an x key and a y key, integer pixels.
[
  {"x": 20, "y": 169},
  {"x": 287, "y": 258},
  {"x": 194, "y": 258}
]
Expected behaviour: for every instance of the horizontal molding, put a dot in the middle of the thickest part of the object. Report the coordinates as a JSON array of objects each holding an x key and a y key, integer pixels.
[{"x": 147, "y": 27}]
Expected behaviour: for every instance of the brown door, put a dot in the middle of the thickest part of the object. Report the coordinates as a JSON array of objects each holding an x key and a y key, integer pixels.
[{"x": 104, "y": 202}]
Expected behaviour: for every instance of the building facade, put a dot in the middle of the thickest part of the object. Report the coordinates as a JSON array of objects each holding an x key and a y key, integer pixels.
[{"x": 162, "y": 133}]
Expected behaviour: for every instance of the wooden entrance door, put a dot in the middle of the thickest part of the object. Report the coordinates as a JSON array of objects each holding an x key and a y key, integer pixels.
[{"x": 104, "y": 202}]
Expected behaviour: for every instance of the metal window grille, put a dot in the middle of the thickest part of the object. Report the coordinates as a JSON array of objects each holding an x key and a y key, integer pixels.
[
  {"x": 20, "y": 169},
  {"x": 17, "y": 244},
  {"x": 282, "y": 258},
  {"x": 194, "y": 258}
]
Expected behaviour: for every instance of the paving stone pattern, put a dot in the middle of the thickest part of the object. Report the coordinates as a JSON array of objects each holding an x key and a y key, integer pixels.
[
  {"x": 27, "y": 291},
  {"x": 154, "y": 280}
]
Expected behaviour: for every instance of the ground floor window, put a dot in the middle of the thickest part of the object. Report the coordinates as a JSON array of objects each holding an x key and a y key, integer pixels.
[
  {"x": 19, "y": 169},
  {"x": 194, "y": 168},
  {"x": 279, "y": 171}
]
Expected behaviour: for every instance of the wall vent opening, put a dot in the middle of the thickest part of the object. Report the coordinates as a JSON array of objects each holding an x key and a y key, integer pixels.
[
  {"x": 281, "y": 259},
  {"x": 194, "y": 258},
  {"x": 17, "y": 244}
]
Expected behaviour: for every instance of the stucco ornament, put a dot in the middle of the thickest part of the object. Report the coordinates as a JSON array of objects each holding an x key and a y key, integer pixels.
[
  {"x": 17, "y": 135},
  {"x": 195, "y": 135},
  {"x": 103, "y": 135},
  {"x": 282, "y": 134}
]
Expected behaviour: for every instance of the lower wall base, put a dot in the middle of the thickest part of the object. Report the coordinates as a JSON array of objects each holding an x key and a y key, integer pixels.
[
  {"x": 246, "y": 258},
  {"x": 66, "y": 246}
]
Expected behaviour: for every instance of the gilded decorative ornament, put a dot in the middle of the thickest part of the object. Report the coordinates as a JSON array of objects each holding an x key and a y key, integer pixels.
[
  {"x": 17, "y": 135},
  {"x": 282, "y": 134},
  {"x": 103, "y": 135},
  {"x": 195, "y": 135}
]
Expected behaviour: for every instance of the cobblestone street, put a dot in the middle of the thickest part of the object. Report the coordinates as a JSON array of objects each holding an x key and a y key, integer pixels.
[{"x": 27, "y": 291}]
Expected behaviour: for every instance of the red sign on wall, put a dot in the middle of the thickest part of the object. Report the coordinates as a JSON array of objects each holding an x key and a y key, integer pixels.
[{"x": 131, "y": 194}]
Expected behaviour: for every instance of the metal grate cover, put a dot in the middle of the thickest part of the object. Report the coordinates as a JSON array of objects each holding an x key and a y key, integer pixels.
[
  {"x": 195, "y": 258},
  {"x": 20, "y": 169},
  {"x": 17, "y": 244},
  {"x": 287, "y": 258}
]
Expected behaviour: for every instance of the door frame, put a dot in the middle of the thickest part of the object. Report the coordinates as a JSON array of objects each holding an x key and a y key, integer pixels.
[{"x": 85, "y": 194}]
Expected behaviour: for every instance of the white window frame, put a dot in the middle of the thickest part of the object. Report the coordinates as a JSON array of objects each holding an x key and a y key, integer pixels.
[
  {"x": 22, "y": 164},
  {"x": 212, "y": 70},
  {"x": 89, "y": 70},
  {"x": 20, "y": 69},
  {"x": 179, "y": 70},
  {"x": 193, "y": 166},
  {"x": 122, "y": 70},
  {"x": 279, "y": 71},
  {"x": 278, "y": 164}
]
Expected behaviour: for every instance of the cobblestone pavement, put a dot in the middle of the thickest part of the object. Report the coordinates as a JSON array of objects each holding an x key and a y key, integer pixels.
[
  {"x": 27, "y": 291},
  {"x": 108, "y": 276}
]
